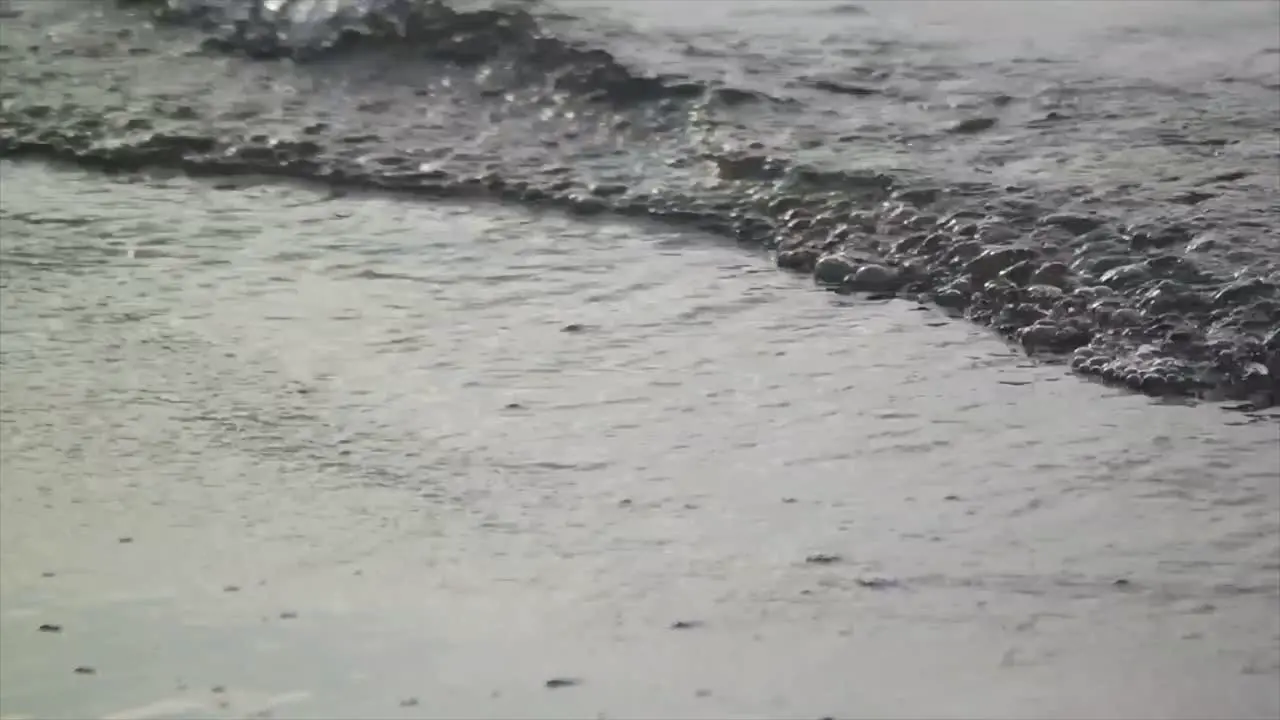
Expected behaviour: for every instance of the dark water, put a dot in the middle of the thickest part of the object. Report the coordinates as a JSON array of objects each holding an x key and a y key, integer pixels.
[{"x": 1097, "y": 182}]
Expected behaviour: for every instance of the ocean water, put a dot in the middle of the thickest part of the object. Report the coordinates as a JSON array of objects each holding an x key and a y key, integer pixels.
[
  {"x": 423, "y": 360},
  {"x": 1063, "y": 180}
]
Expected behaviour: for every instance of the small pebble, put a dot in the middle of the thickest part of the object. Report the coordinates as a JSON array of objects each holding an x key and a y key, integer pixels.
[
  {"x": 218, "y": 689},
  {"x": 876, "y": 583},
  {"x": 50, "y": 628},
  {"x": 288, "y": 615},
  {"x": 973, "y": 125},
  {"x": 47, "y": 574},
  {"x": 822, "y": 559},
  {"x": 85, "y": 670},
  {"x": 231, "y": 588},
  {"x": 573, "y": 328},
  {"x": 788, "y": 500},
  {"x": 686, "y": 624},
  {"x": 1121, "y": 582},
  {"x": 409, "y": 702},
  {"x": 126, "y": 540},
  {"x": 554, "y": 683},
  {"x": 951, "y": 497}
]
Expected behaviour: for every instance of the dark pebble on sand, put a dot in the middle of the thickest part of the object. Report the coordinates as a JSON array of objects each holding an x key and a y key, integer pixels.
[
  {"x": 288, "y": 615},
  {"x": 409, "y": 702},
  {"x": 555, "y": 683},
  {"x": 822, "y": 559},
  {"x": 608, "y": 190},
  {"x": 973, "y": 125},
  {"x": 47, "y": 574},
  {"x": 125, "y": 540},
  {"x": 876, "y": 583},
  {"x": 573, "y": 328},
  {"x": 686, "y": 624},
  {"x": 50, "y": 628},
  {"x": 1122, "y": 582},
  {"x": 514, "y": 406},
  {"x": 951, "y": 497},
  {"x": 85, "y": 670}
]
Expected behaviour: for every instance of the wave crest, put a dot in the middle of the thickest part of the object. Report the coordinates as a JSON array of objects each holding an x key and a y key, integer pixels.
[{"x": 307, "y": 30}]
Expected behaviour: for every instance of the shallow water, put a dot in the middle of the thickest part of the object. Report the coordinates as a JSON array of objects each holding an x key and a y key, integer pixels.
[
  {"x": 301, "y": 450},
  {"x": 1131, "y": 147},
  {"x": 266, "y": 450}
]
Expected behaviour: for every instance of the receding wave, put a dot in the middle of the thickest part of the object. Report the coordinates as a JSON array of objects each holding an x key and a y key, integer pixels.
[{"x": 428, "y": 98}]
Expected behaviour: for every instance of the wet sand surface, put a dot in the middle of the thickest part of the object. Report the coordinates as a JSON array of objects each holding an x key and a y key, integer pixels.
[{"x": 271, "y": 453}]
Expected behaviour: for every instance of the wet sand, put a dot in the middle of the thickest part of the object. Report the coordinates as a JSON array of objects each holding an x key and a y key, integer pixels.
[{"x": 268, "y": 453}]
